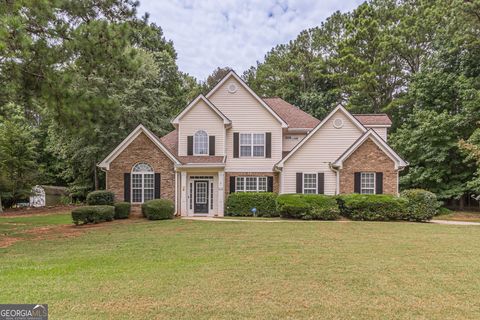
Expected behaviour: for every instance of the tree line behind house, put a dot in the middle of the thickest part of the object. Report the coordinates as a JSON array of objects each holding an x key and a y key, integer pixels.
[{"x": 76, "y": 79}]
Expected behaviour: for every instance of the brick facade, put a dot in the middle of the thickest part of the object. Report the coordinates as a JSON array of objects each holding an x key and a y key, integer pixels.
[
  {"x": 250, "y": 174},
  {"x": 368, "y": 158},
  {"x": 142, "y": 149}
]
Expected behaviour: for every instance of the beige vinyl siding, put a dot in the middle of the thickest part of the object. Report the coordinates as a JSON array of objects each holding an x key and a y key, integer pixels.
[
  {"x": 382, "y": 132},
  {"x": 201, "y": 117},
  {"x": 325, "y": 146},
  {"x": 291, "y": 140},
  {"x": 247, "y": 116}
]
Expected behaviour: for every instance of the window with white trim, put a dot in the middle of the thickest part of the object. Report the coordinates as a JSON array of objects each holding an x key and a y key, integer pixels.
[
  {"x": 309, "y": 183},
  {"x": 252, "y": 144},
  {"x": 143, "y": 183},
  {"x": 251, "y": 184},
  {"x": 367, "y": 183},
  {"x": 200, "y": 143}
]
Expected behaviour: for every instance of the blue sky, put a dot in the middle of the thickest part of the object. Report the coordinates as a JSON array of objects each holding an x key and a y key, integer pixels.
[{"x": 235, "y": 33}]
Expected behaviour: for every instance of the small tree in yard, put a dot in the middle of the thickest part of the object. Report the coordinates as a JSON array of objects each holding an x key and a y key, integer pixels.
[{"x": 17, "y": 159}]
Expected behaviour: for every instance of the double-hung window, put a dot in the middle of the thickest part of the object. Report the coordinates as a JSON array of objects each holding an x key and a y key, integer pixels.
[
  {"x": 309, "y": 183},
  {"x": 143, "y": 182},
  {"x": 367, "y": 183},
  {"x": 252, "y": 145},
  {"x": 251, "y": 184}
]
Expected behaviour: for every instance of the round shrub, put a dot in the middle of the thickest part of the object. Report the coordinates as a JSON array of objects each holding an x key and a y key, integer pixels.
[
  {"x": 292, "y": 206},
  {"x": 372, "y": 207},
  {"x": 241, "y": 204},
  {"x": 158, "y": 209},
  {"x": 122, "y": 210},
  {"x": 307, "y": 207},
  {"x": 92, "y": 214},
  {"x": 422, "y": 204},
  {"x": 100, "y": 198}
]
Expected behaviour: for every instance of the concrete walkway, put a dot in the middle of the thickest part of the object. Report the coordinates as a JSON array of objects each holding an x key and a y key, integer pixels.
[
  {"x": 456, "y": 223},
  {"x": 238, "y": 220},
  {"x": 447, "y": 222}
]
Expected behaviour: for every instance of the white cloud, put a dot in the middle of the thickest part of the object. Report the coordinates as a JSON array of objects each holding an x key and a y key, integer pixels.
[{"x": 235, "y": 33}]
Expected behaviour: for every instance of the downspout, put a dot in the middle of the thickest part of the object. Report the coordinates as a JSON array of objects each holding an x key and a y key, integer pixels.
[
  {"x": 175, "y": 183},
  {"x": 106, "y": 175},
  {"x": 398, "y": 179},
  {"x": 337, "y": 178}
]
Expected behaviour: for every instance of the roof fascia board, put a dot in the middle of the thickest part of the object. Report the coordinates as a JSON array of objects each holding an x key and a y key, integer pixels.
[{"x": 377, "y": 125}]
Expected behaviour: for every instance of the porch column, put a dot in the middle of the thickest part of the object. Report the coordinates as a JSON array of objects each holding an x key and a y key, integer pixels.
[
  {"x": 183, "y": 194},
  {"x": 221, "y": 193}
]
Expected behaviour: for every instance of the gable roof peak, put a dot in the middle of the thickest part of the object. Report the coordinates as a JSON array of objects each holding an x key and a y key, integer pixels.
[
  {"x": 339, "y": 107},
  {"x": 193, "y": 103},
  {"x": 129, "y": 139},
  {"x": 233, "y": 74},
  {"x": 382, "y": 144}
]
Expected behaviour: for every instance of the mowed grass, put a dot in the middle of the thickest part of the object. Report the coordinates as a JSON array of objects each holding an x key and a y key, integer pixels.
[
  {"x": 184, "y": 269},
  {"x": 17, "y": 225},
  {"x": 473, "y": 216}
]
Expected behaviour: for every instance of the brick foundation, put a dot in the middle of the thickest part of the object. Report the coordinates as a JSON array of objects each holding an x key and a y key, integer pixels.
[
  {"x": 142, "y": 149},
  {"x": 368, "y": 158}
]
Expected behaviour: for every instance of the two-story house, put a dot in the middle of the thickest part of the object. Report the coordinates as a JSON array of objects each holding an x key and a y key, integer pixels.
[{"x": 231, "y": 140}]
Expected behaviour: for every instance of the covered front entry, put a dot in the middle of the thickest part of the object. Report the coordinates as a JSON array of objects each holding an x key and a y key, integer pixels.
[{"x": 201, "y": 192}]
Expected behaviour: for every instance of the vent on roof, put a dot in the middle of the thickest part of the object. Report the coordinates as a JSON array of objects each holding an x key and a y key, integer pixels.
[
  {"x": 232, "y": 88},
  {"x": 338, "y": 123}
]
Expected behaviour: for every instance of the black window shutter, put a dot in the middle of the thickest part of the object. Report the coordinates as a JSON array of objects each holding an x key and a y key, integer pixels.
[
  {"x": 126, "y": 187},
  {"x": 268, "y": 145},
  {"x": 211, "y": 145},
  {"x": 270, "y": 184},
  {"x": 356, "y": 185},
  {"x": 190, "y": 145},
  {"x": 236, "y": 144},
  {"x": 157, "y": 185},
  {"x": 299, "y": 182},
  {"x": 232, "y": 184},
  {"x": 379, "y": 182},
  {"x": 321, "y": 183}
]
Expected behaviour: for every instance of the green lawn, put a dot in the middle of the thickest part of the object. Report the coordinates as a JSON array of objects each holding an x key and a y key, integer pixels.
[
  {"x": 473, "y": 216},
  {"x": 184, "y": 269},
  {"x": 17, "y": 225}
]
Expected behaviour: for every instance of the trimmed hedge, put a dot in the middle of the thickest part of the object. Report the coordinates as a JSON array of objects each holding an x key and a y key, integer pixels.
[
  {"x": 372, "y": 207},
  {"x": 122, "y": 210},
  {"x": 100, "y": 198},
  {"x": 158, "y": 209},
  {"x": 92, "y": 214},
  {"x": 422, "y": 204},
  {"x": 241, "y": 204},
  {"x": 307, "y": 206}
]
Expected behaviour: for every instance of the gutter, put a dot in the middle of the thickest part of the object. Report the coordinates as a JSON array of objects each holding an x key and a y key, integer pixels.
[
  {"x": 299, "y": 130},
  {"x": 201, "y": 165}
]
